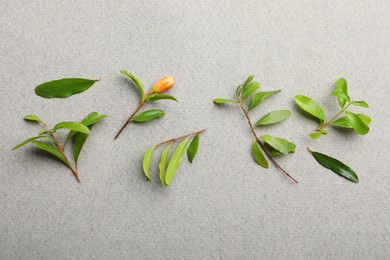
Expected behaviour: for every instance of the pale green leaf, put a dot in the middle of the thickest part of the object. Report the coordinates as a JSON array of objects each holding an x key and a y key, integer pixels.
[
  {"x": 74, "y": 126},
  {"x": 360, "y": 104},
  {"x": 33, "y": 118},
  {"x": 247, "y": 91},
  {"x": 280, "y": 144},
  {"x": 344, "y": 122},
  {"x": 220, "y": 101},
  {"x": 137, "y": 83},
  {"x": 259, "y": 97},
  {"x": 341, "y": 86},
  {"x": 146, "y": 162},
  {"x": 148, "y": 115},
  {"x": 310, "y": 106},
  {"x": 175, "y": 161},
  {"x": 357, "y": 124},
  {"x": 273, "y": 117},
  {"x": 258, "y": 155},
  {"x": 164, "y": 163}
]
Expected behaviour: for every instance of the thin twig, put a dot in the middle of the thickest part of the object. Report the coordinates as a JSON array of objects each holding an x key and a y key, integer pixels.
[
  {"x": 334, "y": 118},
  {"x": 277, "y": 165},
  {"x": 141, "y": 104},
  {"x": 180, "y": 137}
]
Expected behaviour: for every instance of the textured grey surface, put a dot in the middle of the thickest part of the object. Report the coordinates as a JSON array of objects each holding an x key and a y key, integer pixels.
[{"x": 224, "y": 205}]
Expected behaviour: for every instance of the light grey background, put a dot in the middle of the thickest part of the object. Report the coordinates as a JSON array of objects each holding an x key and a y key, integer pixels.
[{"x": 223, "y": 206}]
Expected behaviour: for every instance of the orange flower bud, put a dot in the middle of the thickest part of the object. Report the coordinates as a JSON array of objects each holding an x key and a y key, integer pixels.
[{"x": 164, "y": 84}]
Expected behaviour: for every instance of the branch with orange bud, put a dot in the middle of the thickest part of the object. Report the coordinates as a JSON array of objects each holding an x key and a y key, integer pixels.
[{"x": 162, "y": 85}]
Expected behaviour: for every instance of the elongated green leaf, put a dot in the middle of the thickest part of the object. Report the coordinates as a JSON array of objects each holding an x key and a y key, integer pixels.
[
  {"x": 259, "y": 97},
  {"x": 357, "y": 124},
  {"x": 344, "y": 122},
  {"x": 63, "y": 88},
  {"x": 157, "y": 96},
  {"x": 50, "y": 149},
  {"x": 220, "y": 101},
  {"x": 136, "y": 81},
  {"x": 239, "y": 90},
  {"x": 315, "y": 135},
  {"x": 193, "y": 148},
  {"x": 247, "y": 81},
  {"x": 148, "y": 115},
  {"x": 163, "y": 164},
  {"x": 335, "y": 166},
  {"x": 341, "y": 86},
  {"x": 29, "y": 140},
  {"x": 273, "y": 117},
  {"x": 33, "y": 118},
  {"x": 310, "y": 106},
  {"x": 280, "y": 144},
  {"x": 258, "y": 155},
  {"x": 252, "y": 87},
  {"x": 360, "y": 104},
  {"x": 92, "y": 118},
  {"x": 74, "y": 126},
  {"x": 175, "y": 161},
  {"x": 146, "y": 162}
]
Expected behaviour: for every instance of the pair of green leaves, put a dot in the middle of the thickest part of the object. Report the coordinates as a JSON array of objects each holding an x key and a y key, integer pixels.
[
  {"x": 335, "y": 166},
  {"x": 79, "y": 132},
  {"x": 275, "y": 146},
  {"x": 168, "y": 167},
  {"x": 358, "y": 122},
  {"x": 64, "y": 88}
]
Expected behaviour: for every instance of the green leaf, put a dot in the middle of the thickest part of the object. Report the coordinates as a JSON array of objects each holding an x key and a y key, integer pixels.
[
  {"x": 157, "y": 96},
  {"x": 357, "y": 124},
  {"x": 344, "y": 122},
  {"x": 341, "y": 95},
  {"x": 74, "y": 126},
  {"x": 146, "y": 162},
  {"x": 33, "y": 118},
  {"x": 335, "y": 165},
  {"x": 63, "y": 88},
  {"x": 137, "y": 83},
  {"x": 252, "y": 87},
  {"x": 360, "y": 104},
  {"x": 279, "y": 144},
  {"x": 163, "y": 164},
  {"x": 259, "y": 97},
  {"x": 273, "y": 117},
  {"x": 193, "y": 148},
  {"x": 175, "y": 161},
  {"x": 315, "y": 135},
  {"x": 239, "y": 90},
  {"x": 341, "y": 86},
  {"x": 247, "y": 81},
  {"x": 310, "y": 106},
  {"x": 219, "y": 101},
  {"x": 258, "y": 155},
  {"x": 273, "y": 152},
  {"x": 92, "y": 118},
  {"x": 148, "y": 115},
  {"x": 50, "y": 149},
  {"x": 29, "y": 140},
  {"x": 78, "y": 143}
]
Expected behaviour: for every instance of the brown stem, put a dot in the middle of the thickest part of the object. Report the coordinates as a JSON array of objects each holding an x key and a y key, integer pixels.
[
  {"x": 180, "y": 137},
  {"x": 74, "y": 171},
  {"x": 277, "y": 165},
  {"x": 334, "y": 118},
  {"x": 141, "y": 104}
]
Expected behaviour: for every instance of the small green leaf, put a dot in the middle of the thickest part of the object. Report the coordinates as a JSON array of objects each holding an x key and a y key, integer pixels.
[
  {"x": 78, "y": 143},
  {"x": 137, "y": 83},
  {"x": 335, "y": 165},
  {"x": 157, "y": 96},
  {"x": 340, "y": 95},
  {"x": 273, "y": 152},
  {"x": 239, "y": 90},
  {"x": 74, "y": 126},
  {"x": 92, "y": 118},
  {"x": 360, "y": 104},
  {"x": 163, "y": 164},
  {"x": 63, "y": 88},
  {"x": 315, "y": 135},
  {"x": 258, "y": 155},
  {"x": 146, "y": 162},
  {"x": 310, "y": 106},
  {"x": 193, "y": 148},
  {"x": 280, "y": 144},
  {"x": 33, "y": 118},
  {"x": 357, "y": 124},
  {"x": 50, "y": 149},
  {"x": 220, "y": 101},
  {"x": 148, "y": 115},
  {"x": 175, "y": 161},
  {"x": 344, "y": 122},
  {"x": 273, "y": 117},
  {"x": 247, "y": 81},
  {"x": 259, "y": 97},
  {"x": 29, "y": 140},
  {"x": 341, "y": 86},
  {"x": 252, "y": 87}
]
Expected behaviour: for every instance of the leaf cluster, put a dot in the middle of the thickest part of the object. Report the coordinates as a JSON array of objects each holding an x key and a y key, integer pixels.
[{"x": 169, "y": 165}]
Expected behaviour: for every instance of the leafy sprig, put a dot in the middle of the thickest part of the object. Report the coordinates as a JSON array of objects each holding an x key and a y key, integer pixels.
[
  {"x": 78, "y": 133},
  {"x": 358, "y": 122},
  {"x": 168, "y": 167},
  {"x": 154, "y": 94},
  {"x": 269, "y": 145}
]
